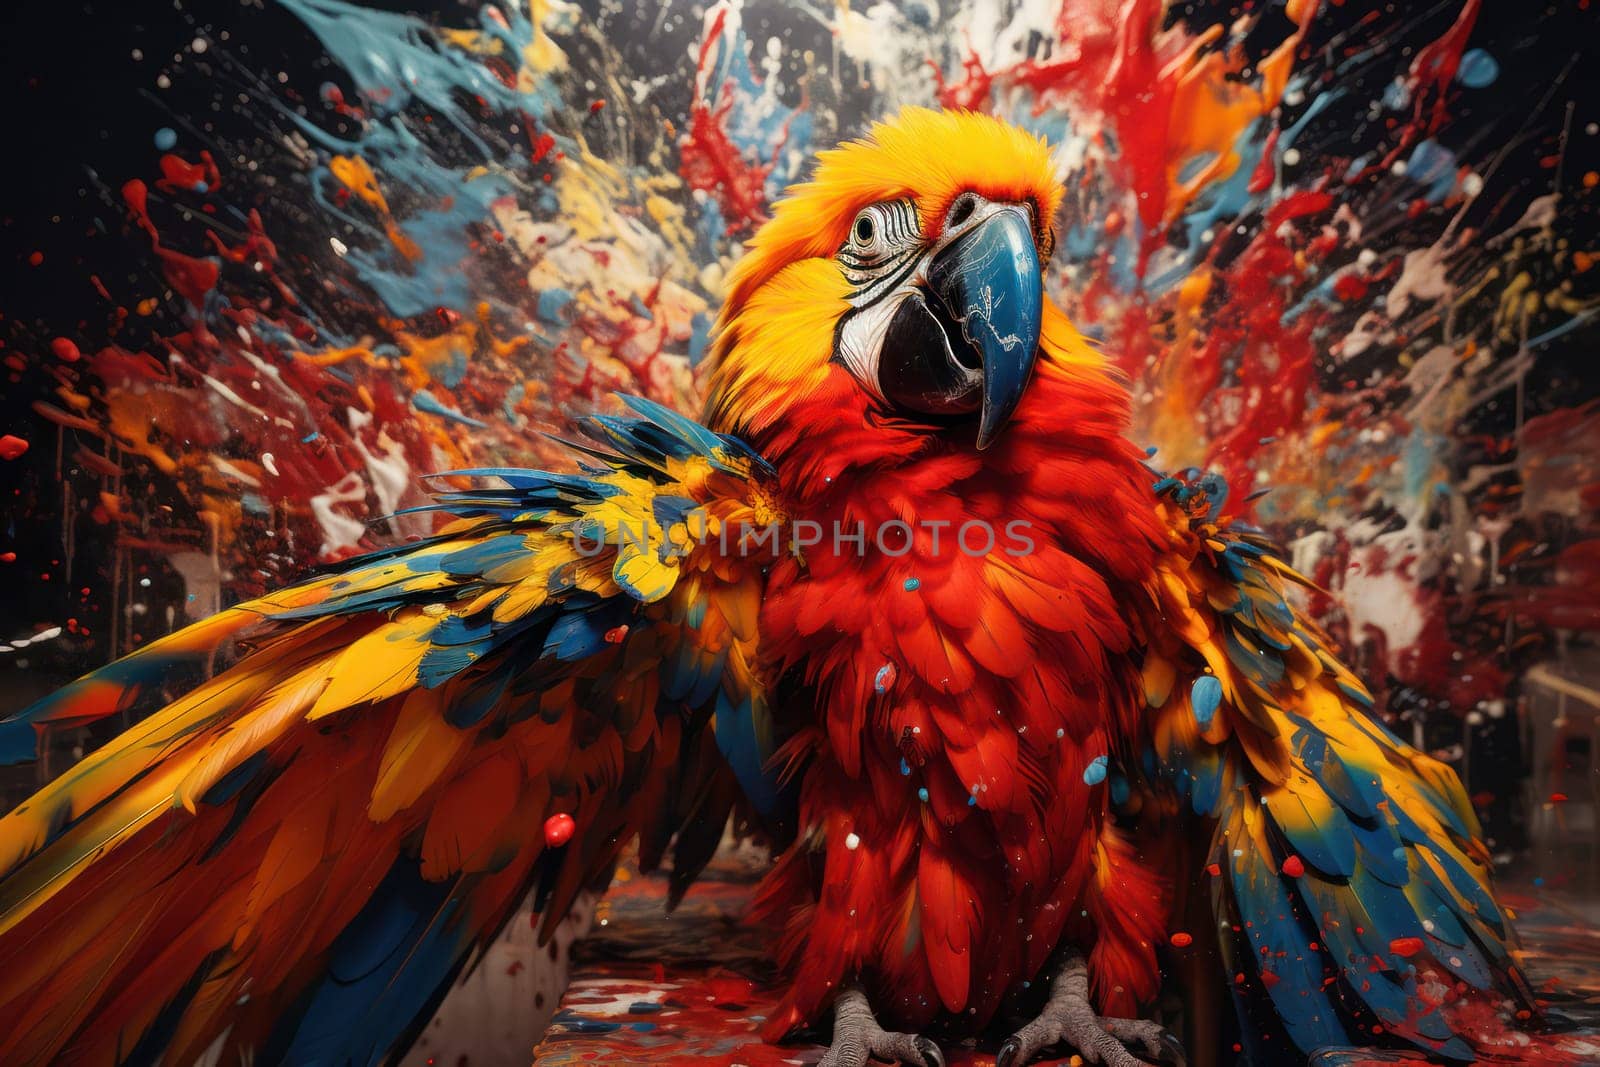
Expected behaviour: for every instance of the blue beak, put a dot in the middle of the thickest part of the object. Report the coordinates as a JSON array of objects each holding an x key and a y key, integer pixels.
[{"x": 990, "y": 283}]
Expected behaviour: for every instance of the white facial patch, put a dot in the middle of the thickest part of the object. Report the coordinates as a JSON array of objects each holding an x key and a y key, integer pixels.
[{"x": 861, "y": 339}]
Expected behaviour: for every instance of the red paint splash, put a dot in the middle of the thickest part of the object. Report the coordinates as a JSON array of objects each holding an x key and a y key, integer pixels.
[
  {"x": 191, "y": 276},
  {"x": 709, "y": 161},
  {"x": 1435, "y": 65}
]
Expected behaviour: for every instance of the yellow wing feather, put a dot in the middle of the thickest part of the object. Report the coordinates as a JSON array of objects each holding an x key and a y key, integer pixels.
[
  {"x": 1333, "y": 840},
  {"x": 416, "y": 715}
]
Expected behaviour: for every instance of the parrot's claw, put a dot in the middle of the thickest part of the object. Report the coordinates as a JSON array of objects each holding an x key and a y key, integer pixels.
[
  {"x": 1069, "y": 1019},
  {"x": 857, "y": 1038}
]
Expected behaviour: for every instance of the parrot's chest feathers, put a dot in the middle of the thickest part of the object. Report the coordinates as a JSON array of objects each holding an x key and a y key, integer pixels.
[{"x": 963, "y": 659}]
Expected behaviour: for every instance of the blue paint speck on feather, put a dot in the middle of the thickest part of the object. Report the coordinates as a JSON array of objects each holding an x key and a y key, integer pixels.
[
  {"x": 1095, "y": 773},
  {"x": 1204, "y": 697},
  {"x": 884, "y": 678}
]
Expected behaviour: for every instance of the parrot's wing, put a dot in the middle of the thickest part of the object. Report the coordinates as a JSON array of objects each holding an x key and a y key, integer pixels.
[
  {"x": 299, "y": 854},
  {"x": 1345, "y": 863}
]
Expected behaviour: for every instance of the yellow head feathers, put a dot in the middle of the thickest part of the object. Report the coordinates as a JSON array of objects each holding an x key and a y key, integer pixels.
[
  {"x": 930, "y": 156},
  {"x": 785, "y": 297}
]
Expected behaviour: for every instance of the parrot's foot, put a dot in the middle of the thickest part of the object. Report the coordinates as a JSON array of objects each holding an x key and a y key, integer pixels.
[
  {"x": 857, "y": 1038},
  {"x": 1069, "y": 1019}
]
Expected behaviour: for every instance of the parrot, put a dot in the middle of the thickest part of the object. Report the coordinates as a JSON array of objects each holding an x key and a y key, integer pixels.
[{"x": 1037, "y": 733}]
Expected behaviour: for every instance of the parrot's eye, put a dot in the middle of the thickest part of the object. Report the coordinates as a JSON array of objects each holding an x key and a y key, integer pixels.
[{"x": 885, "y": 240}]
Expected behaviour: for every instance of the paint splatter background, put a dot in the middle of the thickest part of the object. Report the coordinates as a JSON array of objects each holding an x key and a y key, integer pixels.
[{"x": 271, "y": 261}]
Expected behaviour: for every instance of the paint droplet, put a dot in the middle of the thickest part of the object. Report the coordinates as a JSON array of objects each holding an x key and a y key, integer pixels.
[
  {"x": 65, "y": 350},
  {"x": 8, "y": 557},
  {"x": 1478, "y": 69},
  {"x": 852, "y": 841},
  {"x": 1181, "y": 940},
  {"x": 615, "y": 635},
  {"x": 1214, "y": 869},
  {"x": 1291, "y": 157},
  {"x": 1294, "y": 867},
  {"x": 1095, "y": 773},
  {"x": 166, "y": 139},
  {"x": 922, "y": 794},
  {"x": 199, "y": 45},
  {"x": 338, "y": 246},
  {"x": 1406, "y": 946},
  {"x": 884, "y": 680},
  {"x": 913, "y": 584},
  {"x": 269, "y": 461},
  {"x": 12, "y": 446},
  {"x": 1204, "y": 697},
  {"x": 1558, "y": 798},
  {"x": 558, "y": 829}
]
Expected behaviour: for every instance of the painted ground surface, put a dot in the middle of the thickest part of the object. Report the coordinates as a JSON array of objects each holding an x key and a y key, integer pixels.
[{"x": 694, "y": 988}]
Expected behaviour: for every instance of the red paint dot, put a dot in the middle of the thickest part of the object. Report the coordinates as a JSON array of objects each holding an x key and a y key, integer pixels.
[
  {"x": 1293, "y": 867},
  {"x": 1406, "y": 946},
  {"x": 35, "y": 259},
  {"x": 558, "y": 829},
  {"x": 1181, "y": 940},
  {"x": 615, "y": 635},
  {"x": 1214, "y": 869},
  {"x": 12, "y": 446},
  {"x": 65, "y": 350},
  {"x": 8, "y": 557},
  {"x": 1558, "y": 798}
]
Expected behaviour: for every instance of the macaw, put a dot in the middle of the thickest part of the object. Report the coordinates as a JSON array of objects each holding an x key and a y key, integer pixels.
[{"x": 1028, "y": 724}]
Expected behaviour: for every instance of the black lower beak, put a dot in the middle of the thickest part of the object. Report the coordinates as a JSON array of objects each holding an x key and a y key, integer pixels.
[{"x": 971, "y": 343}]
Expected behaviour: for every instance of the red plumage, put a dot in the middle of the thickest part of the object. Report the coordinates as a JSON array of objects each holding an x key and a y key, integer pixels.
[{"x": 1010, "y": 677}]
